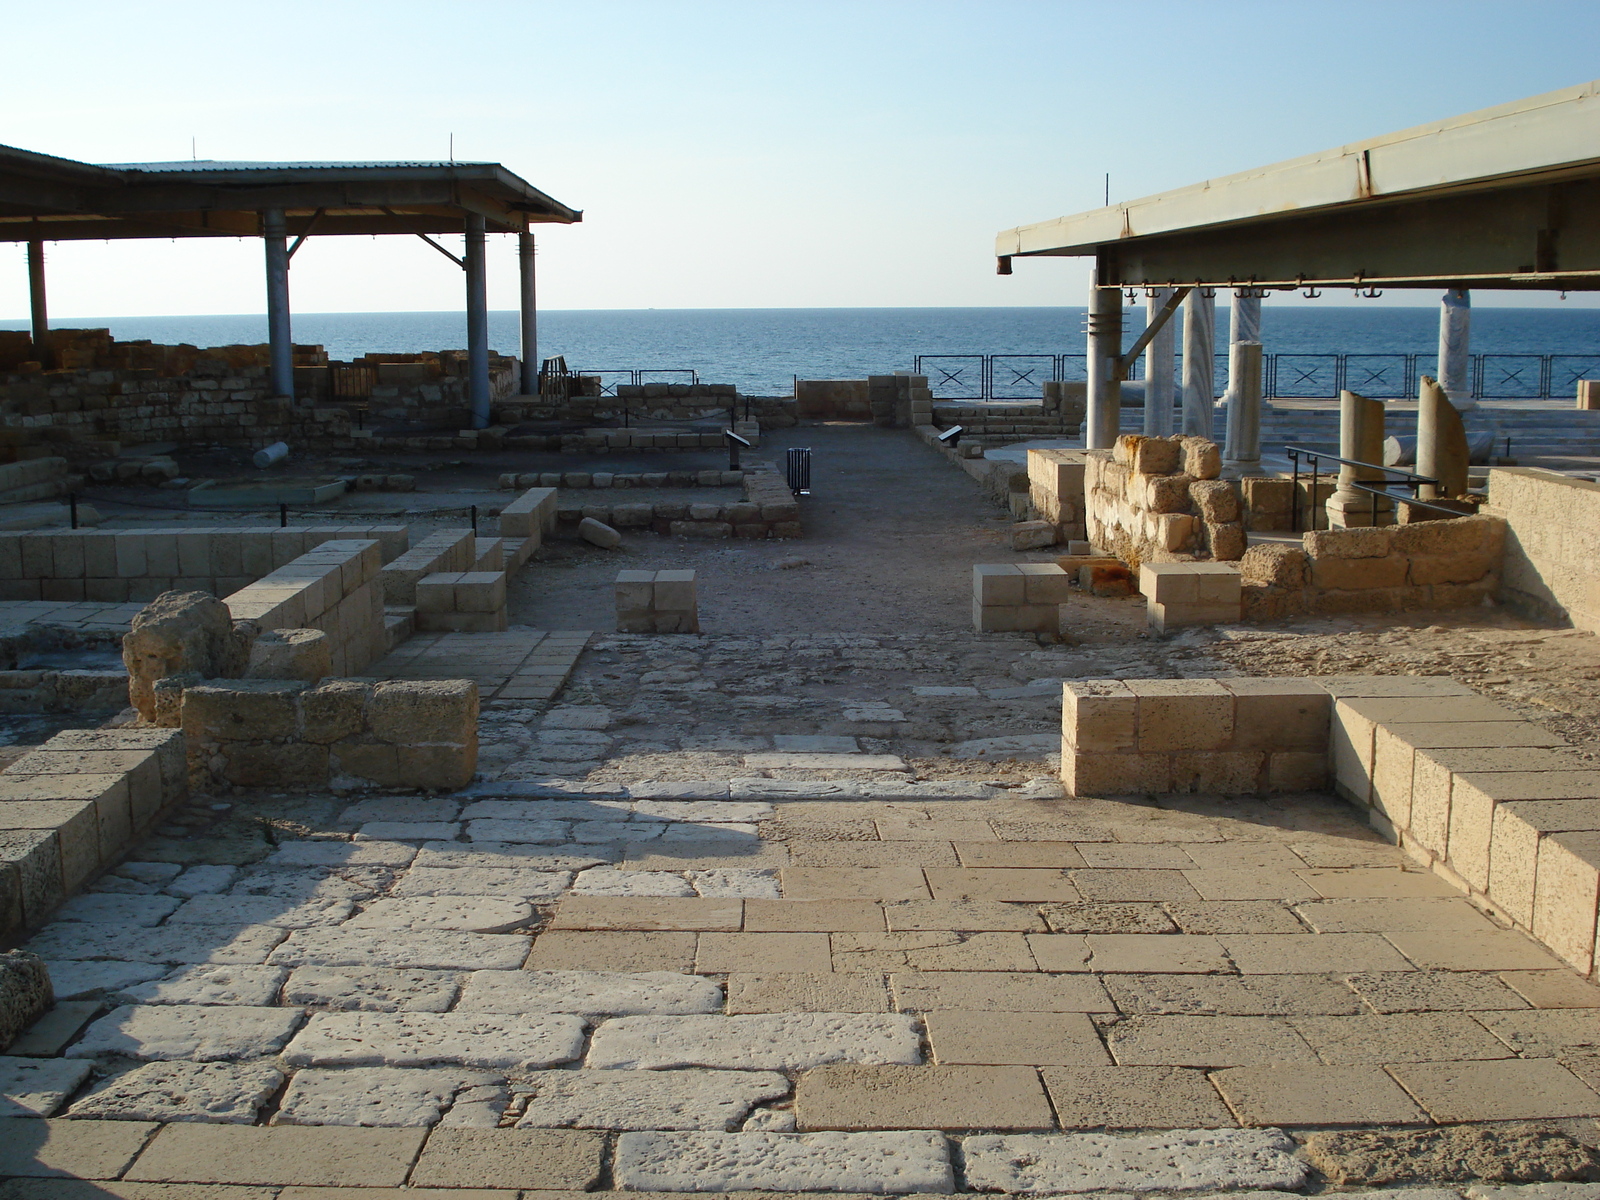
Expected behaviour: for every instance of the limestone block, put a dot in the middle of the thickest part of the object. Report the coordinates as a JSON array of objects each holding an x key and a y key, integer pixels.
[
  {"x": 1280, "y": 714},
  {"x": 675, "y": 592},
  {"x": 25, "y": 993},
  {"x": 1513, "y": 861},
  {"x": 634, "y": 592},
  {"x": 480, "y": 591},
  {"x": 424, "y": 712},
  {"x": 1275, "y": 565},
  {"x": 240, "y": 710},
  {"x": 1202, "y": 459},
  {"x": 1297, "y": 771},
  {"x": 1099, "y": 716},
  {"x": 181, "y": 633},
  {"x": 1174, "y": 531},
  {"x": 1115, "y": 774},
  {"x": 290, "y": 654},
  {"x": 706, "y": 1161},
  {"x": 1016, "y": 618},
  {"x": 1358, "y": 573},
  {"x": 419, "y": 1039},
  {"x": 998, "y": 584},
  {"x": 1349, "y": 543},
  {"x": 1183, "y": 714},
  {"x": 1045, "y": 583},
  {"x": 1565, "y": 896},
  {"x": 74, "y": 823},
  {"x": 1032, "y": 535},
  {"x": 1471, "y": 829},
  {"x": 1215, "y": 500},
  {"x": 1219, "y": 772},
  {"x": 1396, "y": 784},
  {"x": 1108, "y": 1163}
]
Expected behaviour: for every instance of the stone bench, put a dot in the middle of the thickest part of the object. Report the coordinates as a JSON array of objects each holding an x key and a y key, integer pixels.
[
  {"x": 530, "y": 515},
  {"x": 462, "y": 602},
  {"x": 74, "y": 806},
  {"x": 448, "y": 550},
  {"x": 1180, "y": 594},
  {"x": 1018, "y": 597},
  {"x": 334, "y": 588}
]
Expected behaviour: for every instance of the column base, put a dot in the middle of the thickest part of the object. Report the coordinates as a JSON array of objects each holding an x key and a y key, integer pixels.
[
  {"x": 1355, "y": 512},
  {"x": 1242, "y": 470}
]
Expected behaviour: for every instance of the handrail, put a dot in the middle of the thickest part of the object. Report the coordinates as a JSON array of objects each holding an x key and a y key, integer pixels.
[{"x": 1406, "y": 478}]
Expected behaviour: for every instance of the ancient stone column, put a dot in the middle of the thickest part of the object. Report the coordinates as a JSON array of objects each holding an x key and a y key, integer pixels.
[
  {"x": 1442, "y": 452},
  {"x": 1455, "y": 360},
  {"x": 1103, "y": 420},
  {"x": 1242, "y": 454},
  {"x": 1199, "y": 374},
  {"x": 1244, "y": 325},
  {"x": 1360, "y": 438},
  {"x": 1160, "y": 356}
]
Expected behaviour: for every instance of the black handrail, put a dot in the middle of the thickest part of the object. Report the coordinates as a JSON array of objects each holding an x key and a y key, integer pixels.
[{"x": 1407, "y": 478}]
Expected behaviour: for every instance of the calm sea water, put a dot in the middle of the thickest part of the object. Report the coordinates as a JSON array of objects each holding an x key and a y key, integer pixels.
[{"x": 761, "y": 350}]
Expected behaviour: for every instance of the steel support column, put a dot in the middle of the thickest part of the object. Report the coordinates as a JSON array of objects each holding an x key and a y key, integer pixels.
[
  {"x": 275, "y": 233},
  {"x": 477, "y": 324},
  {"x": 36, "y": 299},
  {"x": 1103, "y": 418},
  {"x": 530, "y": 316}
]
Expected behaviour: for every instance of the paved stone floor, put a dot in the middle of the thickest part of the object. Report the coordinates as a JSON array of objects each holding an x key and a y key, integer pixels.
[{"x": 520, "y": 666}]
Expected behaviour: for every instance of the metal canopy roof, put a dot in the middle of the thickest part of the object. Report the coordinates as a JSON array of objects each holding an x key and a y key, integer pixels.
[
  {"x": 57, "y": 199},
  {"x": 1507, "y": 197}
]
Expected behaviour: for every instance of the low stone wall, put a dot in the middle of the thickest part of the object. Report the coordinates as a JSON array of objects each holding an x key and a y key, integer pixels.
[
  {"x": 74, "y": 806},
  {"x": 1159, "y": 500},
  {"x": 647, "y": 402},
  {"x": 1494, "y": 804},
  {"x": 617, "y": 480},
  {"x": 769, "y": 510},
  {"x": 832, "y": 399},
  {"x": 45, "y": 691},
  {"x": 889, "y": 401},
  {"x": 118, "y": 566},
  {"x": 401, "y": 734},
  {"x": 33, "y": 479},
  {"x": 333, "y": 588},
  {"x": 1552, "y": 543},
  {"x": 1452, "y": 563},
  {"x": 447, "y": 550}
]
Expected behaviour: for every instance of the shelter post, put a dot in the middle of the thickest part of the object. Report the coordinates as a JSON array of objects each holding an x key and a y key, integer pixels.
[
  {"x": 275, "y": 233},
  {"x": 1103, "y": 418},
  {"x": 1455, "y": 329},
  {"x": 530, "y": 316},
  {"x": 1244, "y": 325},
  {"x": 36, "y": 300},
  {"x": 1159, "y": 359},
  {"x": 477, "y": 324},
  {"x": 1242, "y": 454},
  {"x": 1199, "y": 370}
]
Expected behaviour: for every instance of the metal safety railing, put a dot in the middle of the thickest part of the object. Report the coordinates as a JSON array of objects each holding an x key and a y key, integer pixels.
[
  {"x": 611, "y": 377},
  {"x": 1284, "y": 376},
  {"x": 1378, "y": 490}
]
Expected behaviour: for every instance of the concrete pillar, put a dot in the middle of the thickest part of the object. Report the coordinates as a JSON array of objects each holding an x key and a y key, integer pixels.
[
  {"x": 275, "y": 233},
  {"x": 1455, "y": 341},
  {"x": 1103, "y": 420},
  {"x": 1160, "y": 356},
  {"x": 530, "y": 316},
  {"x": 1244, "y": 325},
  {"x": 1199, "y": 369},
  {"x": 477, "y": 324},
  {"x": 1242, "y": 454},
  {"x": 1442, "y": 451},
  {"x": 36, "y": 300},
  {"x": 1360, "y": 438}
]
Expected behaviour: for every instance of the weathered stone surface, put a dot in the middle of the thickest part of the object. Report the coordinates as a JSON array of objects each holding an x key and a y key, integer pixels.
[
  {"x": 482, "y": 881},
  {"x": 597, "y": 533},
  {"x": 25, "y": 991},
  {"x": 203, "y": 879},
  {"x": 181, "y": 633},
  {"x": 1182, "y": 1160},
  {"x": 257, "y": 986},
  {"x": 1499, "y": 1153},
  {"x": 121, "y": 909},
  {"x": 615, "y": 881},
  {"x": 374, "y": 1096},
  {"x": 278, "y": 1156},
  {"x": 775, "y": 1042},
  {"x": 36, "y": 1087},
  {"x": 74, "y": 979},
  {"x": 188, "y": 1032},
  {"x": 341, "y": 854},
  {"x": 435, "y": 1039},
  {"x": 236, "y": 945},
  {"x": 290, "y": 654},
  {"x": 261, "y": 910},
  {"x": 649, "y": 1099},
  {"x": 876, "y": 1163},
  {"x": 371, "y": 989},
  {"x": 542, "y": 1159},
  {"x": 303, "y": 885},
  {"x": 590, "y": 992},
  {"x": 476, "y": 914},
  {"x": 746, "y": 883},
  {"x": 431, "y": 949},
  {"x": 229, "y": 1093}
]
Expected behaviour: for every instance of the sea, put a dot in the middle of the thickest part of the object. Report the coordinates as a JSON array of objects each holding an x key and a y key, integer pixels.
[{"x": 762, "y": 350}]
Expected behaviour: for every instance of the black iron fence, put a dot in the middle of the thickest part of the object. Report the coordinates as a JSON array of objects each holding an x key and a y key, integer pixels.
[
  {"x": 610, "y": 377},
  {"x": 1001, "y": 377}
]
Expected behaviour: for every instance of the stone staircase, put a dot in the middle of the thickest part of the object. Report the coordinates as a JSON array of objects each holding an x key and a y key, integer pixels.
[{"x": 997, "y": 424}]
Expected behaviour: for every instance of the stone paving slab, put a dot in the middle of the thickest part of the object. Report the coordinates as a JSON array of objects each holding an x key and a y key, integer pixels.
[
  {"x": 855, "y": 1097},
  {"x": 74, "y": 978},
  {"x": 654, "y": 1100},
  {"x": 220, "y": 1092},
  {"x": 37, "y": 1087},
  {"x": 595, "y": 993},
  {"x": 482, "y": 881},
  {"x": 472, "y": 914},
  {"x": 1134, "y": 1098},
  {"x": 196, "y": 1033},
  {"x": 375, "y": 1096},
  {"x": 430, "y": 949},
  {"x": 876, "y": 1163},
  {"x": 519, "y": 1158},
  {"x": 271, "y": 1156},
  {"x": 256, "y": 986},
  {"x": 372, "y": 989},
  {"x": 32, "y": 1148},
  {"x": 1316, "y": 1095},
  {"x": 238, "y": 945},
  {"x": 432, "y": 1039},
  {"x": 787, "y": 1041},
  {"x": 1182, "y": 1160}
]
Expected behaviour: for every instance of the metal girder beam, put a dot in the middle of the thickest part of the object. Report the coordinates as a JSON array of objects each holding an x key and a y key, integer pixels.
[
  {"x": 239, "y": 225},
  {"x": 1543, "y": 236},
  {"x": 1125, "y": 363}
]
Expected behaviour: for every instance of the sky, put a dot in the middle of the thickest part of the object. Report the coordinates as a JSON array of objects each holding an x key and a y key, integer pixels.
[{"x": 747, "y": 154}]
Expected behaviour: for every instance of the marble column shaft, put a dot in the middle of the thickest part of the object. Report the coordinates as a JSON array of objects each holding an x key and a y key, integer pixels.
[
  {"x": 1199, "y": 368},
  {"x": 1160, "y": 356}
]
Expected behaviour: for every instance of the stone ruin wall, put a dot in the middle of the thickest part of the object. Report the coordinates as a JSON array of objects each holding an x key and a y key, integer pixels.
[
  {"x": 1552, "y": 543},
  {"x": 650, "y": 402},
  {"x": 1159, "y": 500}
]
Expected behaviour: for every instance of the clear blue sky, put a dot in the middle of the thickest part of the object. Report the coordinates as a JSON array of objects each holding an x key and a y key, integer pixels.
[{"x": 743, "y": 154}]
